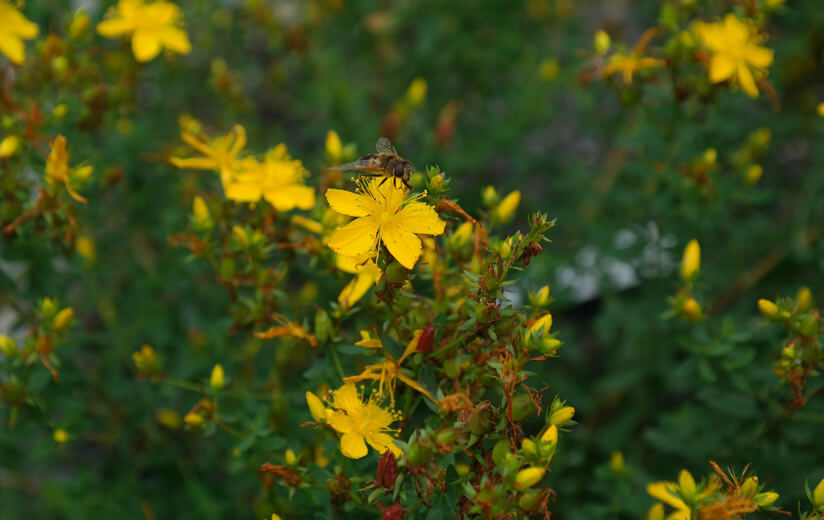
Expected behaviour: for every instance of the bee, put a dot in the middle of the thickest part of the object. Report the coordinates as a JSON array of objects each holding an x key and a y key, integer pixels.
[{"x": 386, "y": 163}]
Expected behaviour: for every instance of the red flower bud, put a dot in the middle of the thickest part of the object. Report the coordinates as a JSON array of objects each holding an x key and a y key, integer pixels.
[
  {"x": 427, "y": 340},
  {"x": 387, "y": 471},
  {"x": 395, "y": 512}
]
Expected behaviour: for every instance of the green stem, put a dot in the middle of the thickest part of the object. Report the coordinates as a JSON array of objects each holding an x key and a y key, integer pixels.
[{"x": 336, "y": 360}]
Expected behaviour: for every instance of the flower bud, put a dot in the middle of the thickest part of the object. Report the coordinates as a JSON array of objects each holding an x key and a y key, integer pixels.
[
  {"x": 241, "y": 236},
  {"x": 522, "y": 407},
  {"x": 60, "y": 436},
  {"x": 339, "y": 487},
  {"x": 436, "y": 183},
  {"x": 489, "y": 196},
  {"x": 316, "y": 408},
  {"x": 753, "y": 173},
  {"x": 529, "y": 500},
  {"x": 447, "y": 437},
  {"x": 461, "y": 235},
  {"x": 334, "y": 147},
  {"x": 416, "y": 92},
  {"x": 323, "y": 326},
  {"x": 768, "y": 309},
  {"x": 200, "y": 213},
  {"x": 766, "y": 499},
  {"x": 480, "y": 421},
  {"x": 818, "y": 494},
  {"x": 691, "y": 262},
  {"x": 528, "y": 448},
  {"x": 145, "y": 359},
  {"x": 393, "y": 512},
  {"x": 8, "y": 146},
  {"x": 601, "y": 42},
  {"x": 63, "y": 319},
  {"x": 217, "y": 380},
  {"x": 616, "y": 462},
  {"x": 79, "y": 25},
  {"x": 506, "y": 209},
  {"x": 387, "y": 471},
  {"x": 426, "y": 341},
  {"x": 749, "y": 487},
  {"x": 499, "y": 452},
  {"x": 169, "y": 418},
  {"x": 193, "y": 419},
  {"x": 710, "y": 156},
  {"x": 550, "y": 436},
  {"x": 540, "y": 297},
  {"x": 804, "y": 298},
  {"x": 686, "y": 483},
  {"x": 526, "y": 478},
  {"x": 8, "y": 346},
  {"x": 395, "y": 273},
  {"x": 561, "y": 416},
  {"x": 692, "y": 310},
  {"x": 808, "y": 326},
  {"x": 506, "y": 249},
  {"x": 85, "y": 248},
  {"x": 417, "y": 454}
]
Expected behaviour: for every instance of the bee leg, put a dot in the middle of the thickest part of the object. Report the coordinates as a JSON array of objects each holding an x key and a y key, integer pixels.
[
  {"x": 384, "y": 180},
  {"x": 409, "y": 186}
]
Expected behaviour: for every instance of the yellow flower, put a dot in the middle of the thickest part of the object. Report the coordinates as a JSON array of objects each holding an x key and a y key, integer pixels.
[
  {"x": 386, "y": 372},
  {"x": 416, "y": 91},
  {"x": 58, "y": 171},
  {"x": 279, "y": 179},
  {"x": 361, "y": 422},
  {"x": 14, "y": 28},
  {"x": 218, "y": 378},
  {"x": 629, "y": 64},
  {"x": 663, "y": 492},
  {"x": 385, "y": 215},
  {"x": 736, "y": 53},
  {"x": 691, "y": 262},
  {"x": 219, "y": 153},
  {"x": 506, "y": 209},
  {"x": 60, "y": 436},
  {"x": 153, "y": 26},
  {"x": 366, "y": 274}
]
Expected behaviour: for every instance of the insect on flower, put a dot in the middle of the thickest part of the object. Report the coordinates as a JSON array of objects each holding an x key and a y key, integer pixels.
[{"x": 386, "y": 163}]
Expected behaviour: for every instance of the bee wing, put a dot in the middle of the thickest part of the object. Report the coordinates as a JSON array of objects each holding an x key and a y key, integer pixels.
[
  {"x": 347, "y": 167},
  {"x": 384, "y": 145}
]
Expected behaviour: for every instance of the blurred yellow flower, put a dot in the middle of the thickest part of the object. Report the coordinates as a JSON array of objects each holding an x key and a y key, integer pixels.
[
  {"x": 85, "y": 247},
  {"x": 366, "y": 272},
  {"x": 8, "y": 146},
  {"x": 334, "y": 147},
  {"x": 153, "y": 26},
  {"x": 528, "y": 477},
  {"x": 629, "y": 64},
  {"x": 691, "y": 261},
  {"x": 60, "y": 436},
  {"x": 663, "y": 492},
  {"x": 417, "y": 91},
  {"x": 279, "y": 179},
  {"x": 507, "y": 207},
  {"x": 14, "y": 28},
  {"x": 736, "y": 52},
  {"x": 218, "y": 378},
  {"x": 361, "y": 422},
  {"x": 383, "y": 214},
  {"x": 219, "y": 153},
  {"x": 58, "y": 171}
]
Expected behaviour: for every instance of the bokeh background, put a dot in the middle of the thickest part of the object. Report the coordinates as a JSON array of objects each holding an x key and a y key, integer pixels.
[{"x": 509, "y": 102}]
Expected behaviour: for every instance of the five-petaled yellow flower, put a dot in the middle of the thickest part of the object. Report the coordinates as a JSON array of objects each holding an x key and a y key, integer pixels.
[
  {"x": 628, "y": 64},
  {"x": 219, "y": 153},
  {"x": 14, "y": 28},
  {"x": 383, "y": 214},
  {"x": 361, "y": 422},
  {"x": 736, "y": 53},
  {"x": 153, "y": 26},
  {"x": 389, "y": 371},
  {"x": 59, "y": 172},
  {"x": 279, "y": 179}
]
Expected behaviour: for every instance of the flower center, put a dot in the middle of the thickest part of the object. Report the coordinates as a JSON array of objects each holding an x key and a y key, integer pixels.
[{"x": 385, "y": 217}]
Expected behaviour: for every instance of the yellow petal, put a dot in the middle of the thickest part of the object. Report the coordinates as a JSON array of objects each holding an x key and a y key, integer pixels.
[
  {"x": 243, "y": 191},
  {"x": 403, "y": 244},
  {"x": 162, "y": 13},
  {"x": 747, "y": 81},
  {"x": 194, "y": 163},
  {"x": 347, "y": 398},
  {"x": 288, "y": 197},
  {"x": 18, "y": 24},
  {"x": 348, "y": 203},
  {"x": 175, "y": 40},
  {"x": 114, "y": 27},
  {"x": 382, "y": 442},
  {"x": 352, "y": 446},
  {"x": 356, "y": 238},
  {"x": 760, "y": 57},
  {"x": 355, "y": 290},
  {"x": 12, "y": 47},
  {"x": 145, "y": 45},
  {"x": 418, "y": 217},
  {"x": 722, "y": 67},
  {"x": 661, "y": 491}
]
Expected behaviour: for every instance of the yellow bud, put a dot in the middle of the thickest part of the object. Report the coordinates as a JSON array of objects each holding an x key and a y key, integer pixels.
[
  {"x": 616, "y": 462},
  {"x": 241, "y": 236},
  {"x": 489, "y": 196},
  {"x": 691, "y": 261},
  {"x": 766, "y": 499},
  {"x": 820, "y": 109},
  {"x": 768, "y": 309},
  {"x": 218, "y": 379},
  {"x": 710, "y": 156},
  {"x": 8, "y": 346},
  {"x": 562, "y": 416},
  {"x": 63, "y": 319},
  {"x": 528, "y": 448},
  {"x": 85, "y": 247},
  {"x": 541, "y": 296},
  {"x": 462, "y": 469},
  {"x": 291, "y": 458},
  {"x": 436, "y": 183},
  {"x": 506, "y": 249},
  {"x": 601, "y": 42},
  {"x": 193, "y": 419},
  {"x": 804, "y": 298},
  {"x": 334, "y": 147},
  {"x": 506, "y": 209},
  {"x": 169, "y": 418},
  {"x": 550, "y": 436},
  {"x": 60, "y": 111},
  {"x": 656, "y": 512},
  {"x": 321, "y": 460},
  {"x": 79, "y": 25},
  {"x": 316, "y": 408},
  {"x": 753, "y": 173},
  {"x": 526, "y": 478},
  {"x": 818, "y": 494},
  {"x": 417, "y": 91},
  {"x": 461, "y": 235},
  {"x": 692, "y": 310},
  {"x": 145, "y": 359},
  {"x": 549, "y": 69},
  {"x": 81, "y": 173},
  {"x": 200, "y": 211},
  {"x": 749, "y": 487},
  {"x": 275, "y": 516},
  {"x": 8, "y": 146},
  {"x": 686, "y": 483},
  {"x": 60, "y": 436}
]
